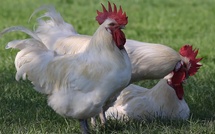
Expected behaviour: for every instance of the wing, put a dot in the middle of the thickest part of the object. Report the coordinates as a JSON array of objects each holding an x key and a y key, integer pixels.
[{"x": 131, "y": 99}]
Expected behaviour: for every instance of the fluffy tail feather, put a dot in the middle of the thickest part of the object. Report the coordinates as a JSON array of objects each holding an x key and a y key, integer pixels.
[
  {"x": 32, "y": 59},
  {"x": 52, "y": 14},
  {"x": 53, "y": 28},
  {"x": 22, "y": 29}
]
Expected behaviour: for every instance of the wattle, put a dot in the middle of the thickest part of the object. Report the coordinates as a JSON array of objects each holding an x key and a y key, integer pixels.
[
  {"x": 179, "y": 91},
  {"x": 119, "y": 38},
  {"x": 177, "y": 80}
]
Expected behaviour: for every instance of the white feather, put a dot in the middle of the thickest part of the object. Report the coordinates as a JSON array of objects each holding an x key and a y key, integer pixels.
[
  {"x": 150, "y": 61},
  {"x": 52, "y": 29}
]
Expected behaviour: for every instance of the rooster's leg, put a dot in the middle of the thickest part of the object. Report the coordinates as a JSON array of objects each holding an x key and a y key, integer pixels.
[
  {"x": 84, "y": 126},
  {"x": 102, "y": 118},
  {"x": 93, "y": 121}
]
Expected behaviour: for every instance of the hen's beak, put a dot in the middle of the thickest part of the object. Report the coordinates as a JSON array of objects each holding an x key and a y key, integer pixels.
[
  {"x": 187, "y": 74},
  {"x": 122, "y": 27}
]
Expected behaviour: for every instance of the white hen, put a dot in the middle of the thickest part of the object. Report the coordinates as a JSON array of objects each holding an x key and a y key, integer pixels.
[
  {"x": 136, "y": 102},
  {"x": 164, "y": 100}
]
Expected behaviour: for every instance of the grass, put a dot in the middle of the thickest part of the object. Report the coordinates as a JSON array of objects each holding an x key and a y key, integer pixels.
[{"x": 170, "y": 22}]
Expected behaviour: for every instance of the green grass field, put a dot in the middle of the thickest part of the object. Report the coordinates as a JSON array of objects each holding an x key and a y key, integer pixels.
[{"x": 170, "y": 22}]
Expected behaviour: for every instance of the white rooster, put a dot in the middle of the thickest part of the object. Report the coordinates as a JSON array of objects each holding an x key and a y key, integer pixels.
[
  {"x": 164, "y": 100},
  {"x": 78, "y": 81},
  {"x": 149, "y": 61}
]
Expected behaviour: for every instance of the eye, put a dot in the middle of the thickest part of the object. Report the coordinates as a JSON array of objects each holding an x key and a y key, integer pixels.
[
  {"x": 178, "y": 65},
  {"x": 112, "y": 24}
]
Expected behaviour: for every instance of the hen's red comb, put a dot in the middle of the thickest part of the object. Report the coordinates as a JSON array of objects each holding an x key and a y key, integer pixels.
[
  {"x": 119, "y": 16},
  {"x": 187, "y": 51}
]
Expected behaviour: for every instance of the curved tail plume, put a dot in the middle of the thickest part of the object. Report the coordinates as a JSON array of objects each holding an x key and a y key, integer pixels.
[{"x": 22, "y": 29}]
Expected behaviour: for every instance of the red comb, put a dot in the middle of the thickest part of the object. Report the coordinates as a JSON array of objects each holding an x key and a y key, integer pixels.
[
  {"x": 119, "y": 16},
  {"x": 187, "y": 51}
]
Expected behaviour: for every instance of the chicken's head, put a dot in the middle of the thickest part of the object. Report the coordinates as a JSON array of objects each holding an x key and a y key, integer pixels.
[
  {"x": 116, "y": 20},
  {"x": 191, "y": 62},
  {"x": 187, "y": 67}
]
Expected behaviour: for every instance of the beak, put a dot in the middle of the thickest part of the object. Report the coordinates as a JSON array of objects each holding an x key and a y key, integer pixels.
[
  {"x": 122, "y": 27},
  {"x": 187, "y": 74}
]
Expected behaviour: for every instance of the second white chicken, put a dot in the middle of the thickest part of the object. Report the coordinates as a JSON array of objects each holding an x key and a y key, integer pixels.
[{"x": 164, "y": 100}]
